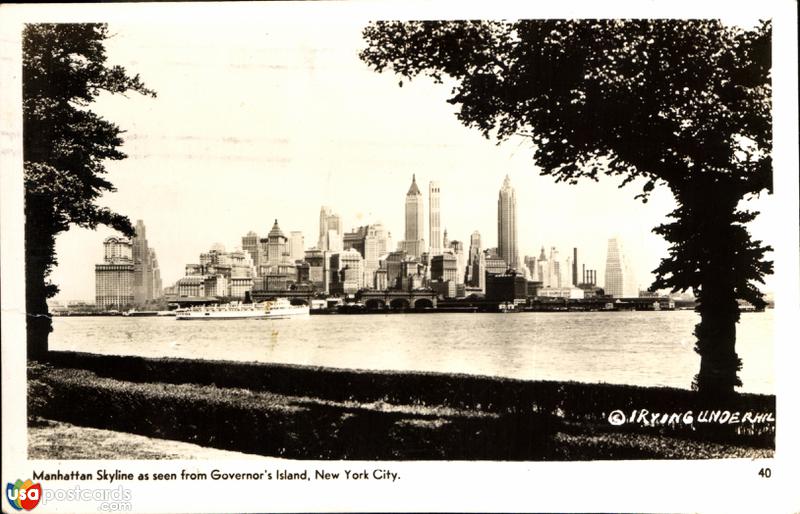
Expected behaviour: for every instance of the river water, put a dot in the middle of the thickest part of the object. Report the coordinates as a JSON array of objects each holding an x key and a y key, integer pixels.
[{"x": 641, "y": 348}]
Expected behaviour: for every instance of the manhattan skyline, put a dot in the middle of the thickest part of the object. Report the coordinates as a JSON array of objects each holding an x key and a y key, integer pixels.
[{"x": 209, "y": 165}]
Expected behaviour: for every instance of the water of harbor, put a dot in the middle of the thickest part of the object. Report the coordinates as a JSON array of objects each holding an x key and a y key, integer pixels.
[{"x": 641, "y": 348}]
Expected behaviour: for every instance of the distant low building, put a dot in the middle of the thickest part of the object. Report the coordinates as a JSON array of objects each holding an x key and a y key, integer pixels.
[
  {"x": 394, "y": 262},
  {"x": 533, "y": 287},
  {"x": 444, "y": 288},
  {"x": 191, "y": 286},
  {"x": 347, "y": 272},
  {"x": 444, "y": 267},
  {"x": 276, "y": 282},
  {"x": 240, "y": 286},
  {"x": 475, "y": 292},
  {"x": 506, "y": 288},
  {"x": 412, "y": 282},
  {"x": 303, "y": 272},
  {"x": 572, "y": 293},
  {"x": 316, "y": 268},
  {"x": 193, "y": 270},
  {"x": 591, "y": 290},
  {"x": 380, "y": 280},
  {"x": 216, "y": 285}
]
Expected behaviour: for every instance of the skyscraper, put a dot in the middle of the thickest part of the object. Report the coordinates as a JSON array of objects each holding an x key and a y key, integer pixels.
[
  {"x": 372, "y": 243},
  {"x": 619, "y": 279},
  {"x": 316, "y": 267},
  {"x": 434, "y": 219},
  {"x": 272, "y": 249},
  {"x": 414, "y": 243},
  {"x": 143, "y": 268},
  {"x": 494, "y": 264},
  {"x": 296, "y": 243},
  {"x": 543, "y": 269},
  {"x": 347, "y": 271},
  {"x": 156, "y": 275},
  {"x": 530, "y": 263},
  {"x": 457, "y": 249},
  {"x": 250, "y": 245},
  {"x": 328, "y": 221},
  {"x": 444, "y": 267},
  {"x": 507, "y": 224},
  {"x": 554, "y": 269},
  {"x": 613, "y": 285},
  {"x": 114, "y": 278},
  {"x": 476, "y": 263},
  {"x": 566, "y": 275}
]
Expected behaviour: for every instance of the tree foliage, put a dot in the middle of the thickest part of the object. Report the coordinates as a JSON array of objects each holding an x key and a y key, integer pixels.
[
  {"x": 685, "y": 103},
  {"x": 65, "y": 147}
]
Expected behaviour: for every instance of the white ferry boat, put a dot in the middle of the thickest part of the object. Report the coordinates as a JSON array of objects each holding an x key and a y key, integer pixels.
[{"x": 278, "y": 309}]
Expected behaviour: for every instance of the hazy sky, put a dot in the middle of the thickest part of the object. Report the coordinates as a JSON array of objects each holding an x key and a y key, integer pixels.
[{"x": 258, "y": 122}]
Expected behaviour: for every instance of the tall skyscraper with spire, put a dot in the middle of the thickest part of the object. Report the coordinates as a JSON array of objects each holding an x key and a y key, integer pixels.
[
  {"x": 277, "y": 245},
  {"x": 434, "y": 220},
  {"x": 507, "y": 224},
  {"x": 414, "y": 243},
  {"x": 143, "y": 268}
]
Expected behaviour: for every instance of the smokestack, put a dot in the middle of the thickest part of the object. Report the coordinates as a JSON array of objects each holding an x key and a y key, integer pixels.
[{"x": 574, "y": 267}]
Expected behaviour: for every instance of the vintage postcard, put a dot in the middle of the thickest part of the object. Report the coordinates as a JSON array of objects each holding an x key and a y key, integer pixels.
[{"x": 345, "y": 256}]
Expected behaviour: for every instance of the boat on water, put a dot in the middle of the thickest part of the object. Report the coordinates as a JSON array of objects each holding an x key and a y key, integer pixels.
[
  {"x": 137, "y": 313},
  {"x": 277, "y": 309}
]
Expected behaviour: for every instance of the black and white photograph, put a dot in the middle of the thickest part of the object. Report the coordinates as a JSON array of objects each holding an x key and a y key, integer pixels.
[{"x": 303, "y": 240}]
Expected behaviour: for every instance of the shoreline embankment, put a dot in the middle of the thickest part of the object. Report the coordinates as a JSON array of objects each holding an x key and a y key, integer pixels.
[{"x": 305, "y": 412}]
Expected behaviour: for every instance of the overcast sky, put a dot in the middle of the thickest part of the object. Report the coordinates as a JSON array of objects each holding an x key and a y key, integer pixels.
[{"x": 270, "y": 121}]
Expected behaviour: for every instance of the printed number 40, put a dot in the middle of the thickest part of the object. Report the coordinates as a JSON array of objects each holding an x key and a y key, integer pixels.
[{"x": 765, "y": 472}]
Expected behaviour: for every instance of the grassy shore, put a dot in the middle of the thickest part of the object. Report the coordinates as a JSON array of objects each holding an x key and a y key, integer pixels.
[
  {"x": 55, "y": 440},
  {"x": 317, "y": 413}
]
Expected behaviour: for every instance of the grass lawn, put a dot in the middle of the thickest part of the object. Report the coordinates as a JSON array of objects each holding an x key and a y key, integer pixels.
[
  {"x": 326, "y": 414},
  {"x": 54, "y": 440}
]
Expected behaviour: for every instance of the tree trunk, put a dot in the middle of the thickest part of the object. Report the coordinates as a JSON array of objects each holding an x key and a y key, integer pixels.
[
  {"x": 716, "y": 342},
  {"x": 38, "y": 322},
  {"x": 39, "y": 256},
  {"x": 717, "y": 305}
]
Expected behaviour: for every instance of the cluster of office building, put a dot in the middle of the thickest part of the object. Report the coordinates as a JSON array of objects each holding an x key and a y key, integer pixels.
[
  {"x": 129, "y": 275},
  {"x": 343, "y": 263}
]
